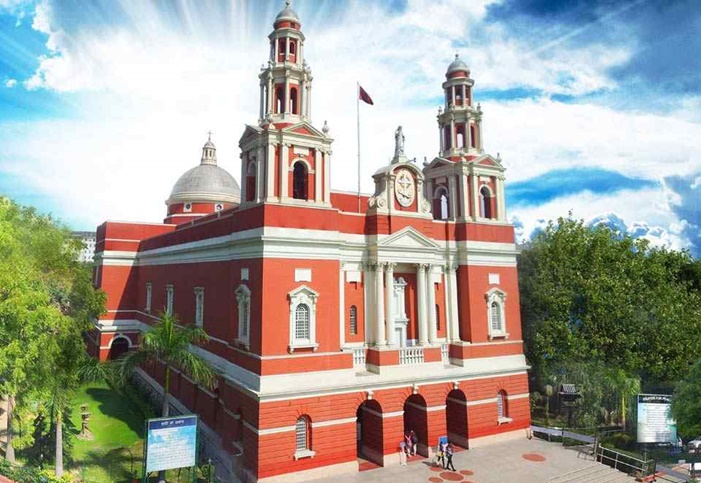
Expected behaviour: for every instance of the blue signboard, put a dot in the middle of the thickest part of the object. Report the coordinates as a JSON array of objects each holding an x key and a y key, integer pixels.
[{"x": 171, "y": 443}]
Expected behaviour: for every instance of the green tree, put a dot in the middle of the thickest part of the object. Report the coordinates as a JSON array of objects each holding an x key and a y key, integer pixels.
[
  {"x": 593, "y": 294},
  {"x": 169, "y": 343},
  {"x": 686, "y": 403}
]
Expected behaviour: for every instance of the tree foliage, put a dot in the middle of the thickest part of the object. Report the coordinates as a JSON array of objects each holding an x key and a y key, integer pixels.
[
  {"x": 594, "y": 294},
  {"x": 46, "y": 303},
  {"x": 686, "y": 403}
]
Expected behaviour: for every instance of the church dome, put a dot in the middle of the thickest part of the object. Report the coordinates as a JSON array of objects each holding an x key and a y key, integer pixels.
[
  {"x": 287, "y": 14},
  {"x": 457, "y": 65},
  {"x": 206, "y": 182}
]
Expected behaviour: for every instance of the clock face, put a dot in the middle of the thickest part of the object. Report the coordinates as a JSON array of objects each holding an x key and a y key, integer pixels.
[{"x": 404, "y": 187}]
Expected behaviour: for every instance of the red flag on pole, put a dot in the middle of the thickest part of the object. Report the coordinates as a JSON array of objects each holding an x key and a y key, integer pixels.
[{"x": 365, "y": 97}]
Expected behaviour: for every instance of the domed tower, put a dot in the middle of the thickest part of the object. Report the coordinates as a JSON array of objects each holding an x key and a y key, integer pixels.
[
  {"x": 202, "y": 190},
  {"x": 463, "y": 183},
  {"x": 284, "y": 159},
  {"x": 459, "y": 122}
]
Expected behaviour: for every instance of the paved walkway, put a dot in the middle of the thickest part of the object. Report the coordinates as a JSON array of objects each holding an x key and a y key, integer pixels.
[{"x": 515, "y": 461}]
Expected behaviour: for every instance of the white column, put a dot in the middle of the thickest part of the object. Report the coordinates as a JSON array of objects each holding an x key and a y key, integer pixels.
[
  {"x": 367, "y": 302},
  {"x": 327, "y": 177},
  {"x": 454, "y": 319},
  {"x": 380, "y": 339},
  {"x": 421, "y": 302},
  {"x": 452, "y": 94},
  {"x": 440, "y": 137},
  {"x": 389, "y": 289},
  {"x": 309, "y": 100},
  {"x": 475, "y": 198},
  {"x": 270, "y": 172},
  {"x": 284, "y": 169},
  {"x": 468, "y": 133},
  {"x": 260, "y": 175},
  {"x": 270, "y": 98},
  {"x": 287, "y": 48},
  {"x": 286, "y": 104},
  {"x": 452, "y": 132},
  {"x": 244, "y": 170},
  {"x": 317, "y": 175},
  {"x": 464, "y": 95},
  {"x": 465, "y": 198},
  {"x": 342, "y": 305},
  {"x": 262, "y": 97},
  {"x": 452, "y": 212},
  {"x": 501, "y": 200},
  {"x": 431, "y": 296}
]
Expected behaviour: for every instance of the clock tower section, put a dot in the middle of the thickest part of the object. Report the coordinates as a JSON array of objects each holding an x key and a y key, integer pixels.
[{"x": 284, "y": 158}]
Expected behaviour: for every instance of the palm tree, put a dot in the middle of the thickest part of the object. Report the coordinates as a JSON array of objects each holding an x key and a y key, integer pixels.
[{"x": 169, "y": 343}]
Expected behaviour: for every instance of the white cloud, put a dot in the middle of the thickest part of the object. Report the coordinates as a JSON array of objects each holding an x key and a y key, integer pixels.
[
  {"x": 149, "y": 91},
  {"x": 10, "y": 83}
]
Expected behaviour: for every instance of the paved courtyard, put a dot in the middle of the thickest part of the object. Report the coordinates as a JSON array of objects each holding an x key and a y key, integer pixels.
[{"x": 517, "y": 461}]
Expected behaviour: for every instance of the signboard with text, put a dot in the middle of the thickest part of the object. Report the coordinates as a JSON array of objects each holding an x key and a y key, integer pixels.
[
  {"x": 655, "y": 423},
  {"x": 171, "y": 443}
]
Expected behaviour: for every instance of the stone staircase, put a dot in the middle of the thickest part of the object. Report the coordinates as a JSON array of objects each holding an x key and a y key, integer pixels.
[{"x": 596, "y": 473}]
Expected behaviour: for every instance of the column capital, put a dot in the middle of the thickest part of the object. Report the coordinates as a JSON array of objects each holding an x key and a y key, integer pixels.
[
  {"x": 422, "y": 266},
  {"x": 450, "y": 267},
  {"x": 390, "y": 265}
]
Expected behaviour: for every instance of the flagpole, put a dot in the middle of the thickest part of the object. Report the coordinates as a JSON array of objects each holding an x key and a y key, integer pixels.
[{"x": 357, "y": 100}]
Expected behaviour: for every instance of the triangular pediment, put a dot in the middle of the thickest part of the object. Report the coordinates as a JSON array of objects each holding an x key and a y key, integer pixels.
[
  {"x": 305, "y": 129},
  {"x": 408, "y": 238},
  {"x": 249, "y": 133},
  {"x": 438, "y": 163},
  {"x": 488, "y": 160}
]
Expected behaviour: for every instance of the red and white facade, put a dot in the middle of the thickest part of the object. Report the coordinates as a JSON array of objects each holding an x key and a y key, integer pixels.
[{"x": 334, "y": 329}]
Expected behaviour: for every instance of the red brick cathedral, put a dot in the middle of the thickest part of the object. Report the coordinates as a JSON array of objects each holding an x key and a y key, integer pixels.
[{"x": 337, "y": 322}]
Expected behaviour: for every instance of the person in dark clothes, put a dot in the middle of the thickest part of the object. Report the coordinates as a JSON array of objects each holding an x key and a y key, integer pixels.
[{"x": 449, "y": 457}]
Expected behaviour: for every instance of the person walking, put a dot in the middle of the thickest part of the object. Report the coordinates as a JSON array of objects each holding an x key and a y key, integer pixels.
[
  {"x": 440, "y": 454},
  {"x": 414, "y": 442},
  {"x": 407, "y": 445},
  {"x": 449, "y": 457}
]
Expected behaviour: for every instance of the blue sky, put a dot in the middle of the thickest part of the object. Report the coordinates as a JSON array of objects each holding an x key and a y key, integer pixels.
[{"x": 594, "y": 106}]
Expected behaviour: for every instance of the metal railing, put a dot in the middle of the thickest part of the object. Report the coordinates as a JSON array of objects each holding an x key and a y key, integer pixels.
[
  {"x": 624, "y": 462},
  {"x": 411, "y": 355}
]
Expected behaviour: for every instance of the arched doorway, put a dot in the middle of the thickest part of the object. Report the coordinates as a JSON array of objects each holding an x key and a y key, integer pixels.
[
  {"x": 416, "y": 419},
  {"x": 369, "y": 437},
  {"x": 120, "y": 345},
  {"x": 456, "y": 417}
]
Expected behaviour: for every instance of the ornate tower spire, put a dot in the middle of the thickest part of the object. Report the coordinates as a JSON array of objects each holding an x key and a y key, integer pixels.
[
  {"x": 209, "y": 151},
  {"x": 460, "y": 124},
  {"x": 285, "y": 82}
]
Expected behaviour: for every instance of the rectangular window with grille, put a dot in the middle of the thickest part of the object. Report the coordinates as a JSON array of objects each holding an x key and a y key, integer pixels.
[
  {"x": 301, "y": 435},
  {"x": 496, "y": 317},
  {"x": 353, "y": 320},
  {"x": 500, "y": 405},
  {"x": 302, "y": 322},
  {"x": 245, "y": 318}
]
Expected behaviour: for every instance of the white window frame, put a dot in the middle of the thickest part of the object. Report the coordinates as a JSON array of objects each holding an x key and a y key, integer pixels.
[
  {"x": 170, "y": 295},
  {"x": 199, "y": 306},
  {"x": 303, "y": 295},
  {"x": 149, "y": 293},
  {"x": 243, "y": 299},
  {"x": 303, "y": 432},
  {"x": 499, "y": 297}
]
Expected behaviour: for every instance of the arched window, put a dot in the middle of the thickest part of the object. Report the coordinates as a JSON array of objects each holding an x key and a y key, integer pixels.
[
  {"x": 299, "y": 181},
  {"x": 281, "y": 50},
  {"x": 279, "y": 99},
  {"x": 496, "y": 325},
  {"x": 495, "y": 317},
  {"x": 251, "y": 181},
  {"x": 302, "y": 322},
  {"x": 460, "y": 136},
  {"x": 502, "y": 408},
  {"x": 485, "y": 203},
  {"x": 438, "y": 317},
  {"x": 353, "y": 320},
  {"x": 441, "y": 204},
  {"x": 473, "y": 140},
  {"x": 303, "y": 438},
  {"x": 243, "y": 298},
  {"x": 293, "y": 47},
  {"x": 293, "y": 100}
]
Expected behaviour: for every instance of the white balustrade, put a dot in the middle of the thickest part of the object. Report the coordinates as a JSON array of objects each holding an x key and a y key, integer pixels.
[
  {"x": 359, "y": 356},
  {"x": 411, "y": 355},
  {"x": 445, "y": 353}
]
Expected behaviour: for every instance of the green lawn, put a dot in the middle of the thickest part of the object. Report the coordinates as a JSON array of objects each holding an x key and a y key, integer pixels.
[{"x": 116, "y": 427}]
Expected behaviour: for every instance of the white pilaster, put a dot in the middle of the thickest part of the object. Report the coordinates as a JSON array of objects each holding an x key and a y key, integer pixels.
[
  {"x": 260, "y": 175},
  {"x": 270, "y": 172},
  {"x": 464, "y": 95},
  {"x": 452, "y": 132},
  {"x": 270, "y": 95},
  {"x": 262, "y": 97},
  {"x": 286, "y": 104},
  {"x": 380, "y": 339},
  {"x": 431, "y": 296},
  {"x": 317, "y": 175},
  {"x": 501, "y": 200},
  {"x": 468, "y": 132},
  {"x": 389, "y": 289},
  {"x": 284, "y": 169},
  {"x": 342, "y": 305},
  {"x": 465, "y": 196},
  {"x": 452, "y": 212},
  {"x": 454, "y": 319},
  {"x": 475, "y": 198},
  {"x": 421, "y": 302},
  {"x": 327, "y": 177},
  {"x": 368, "y": 299}
]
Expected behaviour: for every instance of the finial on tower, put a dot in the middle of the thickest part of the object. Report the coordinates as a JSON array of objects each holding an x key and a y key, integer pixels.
[
  {"x": 399, "y": 156},
  {"x": 209, "y": 136},
  {"x": 209, "y": 151},
  {"x": 325, "y": 129},
  {"x": 287, "y": 3}
]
